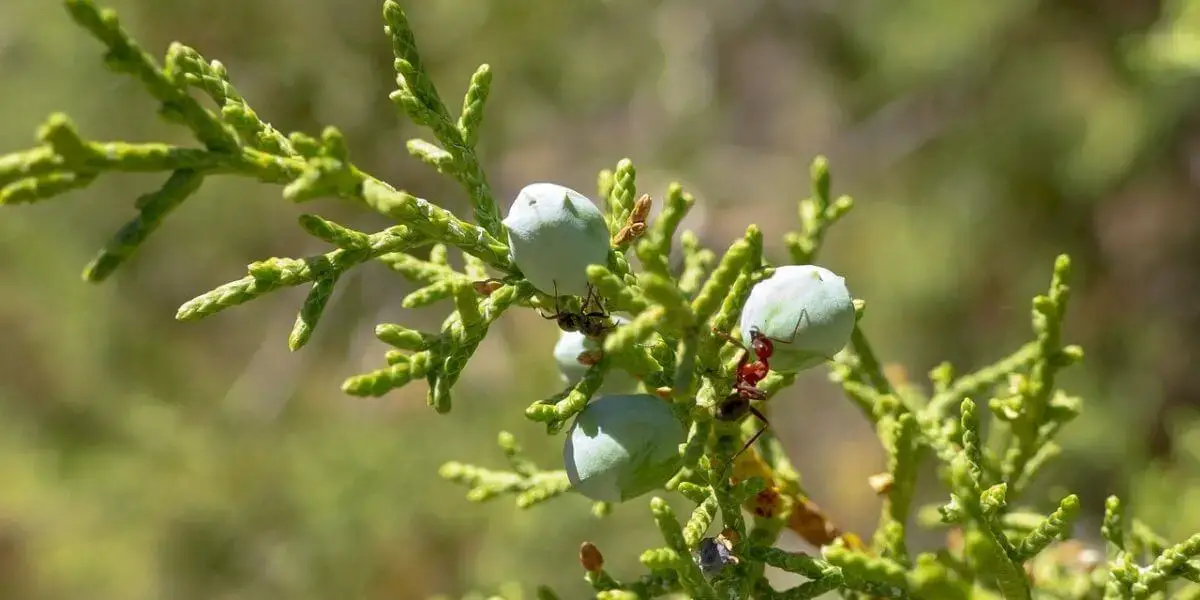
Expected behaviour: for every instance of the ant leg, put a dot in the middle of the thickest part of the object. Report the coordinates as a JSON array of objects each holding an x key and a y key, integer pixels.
[
  {"x": 556, "y": 310},
  {"x": 750, "y": 391},
  {"x": 725, "y": 335},
  {"x": 599, "y": 312},
  {"x": 593, "y": 297},
  {"x": 753, "y": 438},
  {"x": 796, "y": 329},
  {"x": 587, "y": 300},
  {"x": 744, "y": 357}
]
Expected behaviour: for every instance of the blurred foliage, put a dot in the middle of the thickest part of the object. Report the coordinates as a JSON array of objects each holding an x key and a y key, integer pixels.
[{"x": 142, "y": 457}]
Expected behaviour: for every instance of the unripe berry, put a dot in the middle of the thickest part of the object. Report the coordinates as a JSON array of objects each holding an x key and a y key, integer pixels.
[
  {"x": 572, "y": 345},
  {"x": 807, "y": 312},
  {"x": 554, "y": 233},
  {"x": 622, "y": 446}
]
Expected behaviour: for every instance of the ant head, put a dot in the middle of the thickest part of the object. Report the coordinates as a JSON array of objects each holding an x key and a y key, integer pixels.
[
  {"x": 594, "y": 326},
  {"x": 570, "y": 322},
  {"x": 762, "y": 345},
  {"x": 733, "y": 407}
]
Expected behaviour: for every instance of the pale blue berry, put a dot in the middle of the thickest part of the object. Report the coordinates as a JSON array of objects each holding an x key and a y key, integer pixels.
[
  {"x": 573, "y": 344},
  {"x": 622, "y": 446},
  {"x": 808, "y": 308},
  {"x": 554, "y": 233}
]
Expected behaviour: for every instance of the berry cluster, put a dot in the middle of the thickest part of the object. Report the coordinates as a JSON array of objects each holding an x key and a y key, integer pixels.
[{"x": 624, "y": 444}]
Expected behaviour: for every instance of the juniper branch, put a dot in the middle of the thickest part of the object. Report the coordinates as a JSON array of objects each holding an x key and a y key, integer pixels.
[
  {"x": 668, "y": 344},
  {"x": 530, "y": 485}
]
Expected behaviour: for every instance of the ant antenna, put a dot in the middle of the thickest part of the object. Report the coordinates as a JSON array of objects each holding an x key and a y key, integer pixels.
[
  {"x": 556, "y": 311},
  {"x": 591, "y": 295}
]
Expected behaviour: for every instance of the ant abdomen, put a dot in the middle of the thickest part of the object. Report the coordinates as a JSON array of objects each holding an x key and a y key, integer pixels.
[{"x": 733, "y": 408}]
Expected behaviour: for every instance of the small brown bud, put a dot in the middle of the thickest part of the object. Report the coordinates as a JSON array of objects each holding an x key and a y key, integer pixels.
[
  {"x": 590, "y": 557},
  {"x": 487, "y": 286},
  {"x": 641, "y": 209},
  {"x": 588, "y": 358},
  {"x": 622, "y": 236},
  {"x": 767, "y": 503},
  {"x": 629, "y": 233},
  {"x": 636, "y": 225},
  {"x": 664, "y": 392},
  {"x": 807, "y": 520},
  {"x": 881, "y": 483}
]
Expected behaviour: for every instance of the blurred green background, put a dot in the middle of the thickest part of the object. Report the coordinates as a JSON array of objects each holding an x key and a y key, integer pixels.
[{"x": 141, "y": 457}]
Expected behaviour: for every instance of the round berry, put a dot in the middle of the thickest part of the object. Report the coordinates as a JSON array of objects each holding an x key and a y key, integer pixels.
[
  {"x": 554, "y": 233},
  {"x": 807, "y": 313},
  {"x": 622, "y": 446},
  {"x": 574, "y": 351}
]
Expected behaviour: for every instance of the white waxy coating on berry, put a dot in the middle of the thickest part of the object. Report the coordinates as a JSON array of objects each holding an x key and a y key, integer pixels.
[
  {"x": 554, "y": 233},
  {"x": 809, "y": 300},
  {"x": 573, "y": 343},
  {"x": 622, "y": 446}
]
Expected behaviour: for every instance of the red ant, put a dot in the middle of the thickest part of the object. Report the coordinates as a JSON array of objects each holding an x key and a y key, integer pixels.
[{"x": 748, "y": 374}]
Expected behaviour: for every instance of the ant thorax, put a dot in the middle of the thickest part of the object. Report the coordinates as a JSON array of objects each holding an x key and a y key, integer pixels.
[
  {"x": 754, "y": 372},
  {"x": 596, "y": 326}
]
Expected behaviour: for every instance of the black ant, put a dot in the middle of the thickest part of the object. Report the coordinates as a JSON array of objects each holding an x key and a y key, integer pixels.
[
  {"x": 747, "y": 376},
  {"x": 593, "y": 324}
]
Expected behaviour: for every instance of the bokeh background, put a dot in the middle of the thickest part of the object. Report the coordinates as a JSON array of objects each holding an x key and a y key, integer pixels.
[{"x": 141, "y": 457}]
